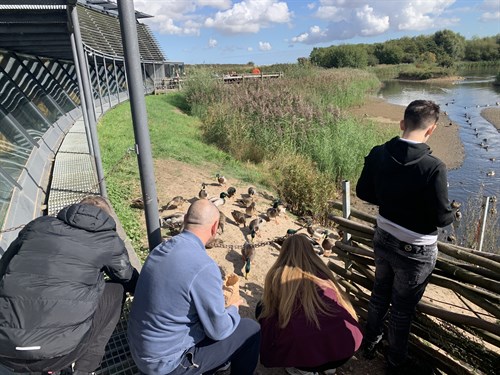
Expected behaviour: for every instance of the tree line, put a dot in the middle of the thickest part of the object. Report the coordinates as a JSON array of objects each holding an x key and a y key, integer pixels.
[{"x": 443, "y": 48}]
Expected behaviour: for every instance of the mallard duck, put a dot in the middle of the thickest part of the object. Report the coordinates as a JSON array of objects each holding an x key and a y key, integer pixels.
[
  {"x": 455, "y": 205},
  {"x": 316, "y": 232},
  {"x": 176, "y": 202},
  {"x": 137, "y": 203},
  {"x": 272, "y": 212},
  {"x": 173, "y": 221},
  {"x": 251, "y": 210},
  {"x": 255, "y": 226},
  {"x": 279, "y": 206},
  {"x": 221, "y": 179},
  {"x": 248, "y": 254},
  {"x": 327, "y": 244},
  {"x": 231, "y": 191},
  {"x": 245, "y": 202},
  {"x": 222, "y": 222},
  {"x": 203, "y": 194},
  {"x": 219, "y": 201},
  {"x": 239, "y": 217},
  {"x": 490, "y": 173},
  {"x": 251, "y": 191},
  {"x": 216, "y": 242}
]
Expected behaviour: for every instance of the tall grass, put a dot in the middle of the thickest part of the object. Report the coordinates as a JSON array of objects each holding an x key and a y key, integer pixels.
[{"x": 302, "y": 113}]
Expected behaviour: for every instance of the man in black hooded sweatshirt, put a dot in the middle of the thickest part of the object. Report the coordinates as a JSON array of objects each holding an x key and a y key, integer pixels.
[
  {"x": 410, "y": 187},
  {"x": 55, "y": 307}
]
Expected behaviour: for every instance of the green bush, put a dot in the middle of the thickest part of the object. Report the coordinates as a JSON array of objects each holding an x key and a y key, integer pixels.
[{"x": 305, "y": 190}]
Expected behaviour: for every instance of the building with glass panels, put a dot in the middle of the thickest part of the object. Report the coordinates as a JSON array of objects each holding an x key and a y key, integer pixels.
[{"x": 45, "y": 122}]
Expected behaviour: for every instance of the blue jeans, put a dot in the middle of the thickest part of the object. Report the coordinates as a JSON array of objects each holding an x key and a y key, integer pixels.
[
  {"x": 402, "y": 272},
  {"x": 241, "y": 348}
]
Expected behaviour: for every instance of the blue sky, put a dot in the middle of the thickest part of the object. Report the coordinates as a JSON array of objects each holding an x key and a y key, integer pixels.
[{"x": 278, "y": 31}]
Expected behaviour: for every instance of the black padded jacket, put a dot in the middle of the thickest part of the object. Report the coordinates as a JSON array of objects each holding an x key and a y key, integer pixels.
[
  {"x": 51, "y": 278},
  {"x": 408, "y": 184}
]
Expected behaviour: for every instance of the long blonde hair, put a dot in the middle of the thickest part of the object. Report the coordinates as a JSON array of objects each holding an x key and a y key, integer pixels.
[{"x": 293, "y": 278}]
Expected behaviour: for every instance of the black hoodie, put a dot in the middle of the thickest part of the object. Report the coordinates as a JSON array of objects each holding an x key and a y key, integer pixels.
[
  {"x": 51, "y": 280},
  {"x": 408, "y": 184}
]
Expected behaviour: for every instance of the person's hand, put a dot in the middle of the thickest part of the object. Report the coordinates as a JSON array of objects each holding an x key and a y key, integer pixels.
[{"x": 238, "y": 302}]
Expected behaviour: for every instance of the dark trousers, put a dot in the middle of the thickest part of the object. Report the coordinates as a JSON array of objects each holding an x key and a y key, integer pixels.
[
  {"x": 402, "y": 272},
  {"x": 241, "y": 348},
  {"x": 89, "y": 353}
]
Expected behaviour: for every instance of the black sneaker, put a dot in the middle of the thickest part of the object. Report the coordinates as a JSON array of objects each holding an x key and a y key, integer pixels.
[
  {"x": 410, "y": 367},
  {"x": 369, "y": 349}
]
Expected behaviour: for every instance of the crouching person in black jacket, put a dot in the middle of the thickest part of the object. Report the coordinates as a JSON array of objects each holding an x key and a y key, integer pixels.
[{"x": 55, "y": 307}]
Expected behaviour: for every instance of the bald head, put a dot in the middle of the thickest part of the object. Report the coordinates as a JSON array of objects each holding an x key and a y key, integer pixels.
[{"x": 201, "y": 214}]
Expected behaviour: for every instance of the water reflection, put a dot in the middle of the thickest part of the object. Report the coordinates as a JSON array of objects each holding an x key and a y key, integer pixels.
[{"x": 463, "y": 102}]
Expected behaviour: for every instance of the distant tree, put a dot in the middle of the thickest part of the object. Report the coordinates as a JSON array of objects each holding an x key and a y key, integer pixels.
[
  {"x": 389, "y": 53},
  {"x": 452, "y": 44},
  {"x": 251, "y": 63},
  {"x": 318, "y": 57},
  {"x": 349, "y": 55},
  {"x": 427, "y": 58},
  {"x": 303, "y": 61},
  {"x": 487, "y": 48}
]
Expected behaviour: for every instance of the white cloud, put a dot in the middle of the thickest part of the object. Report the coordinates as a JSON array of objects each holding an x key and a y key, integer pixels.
[
  {"x": 218, "y": 4},
  {"x": 265, "y": 46},
  {"x": 490, "y": 5},
  {"x": 350, "y": 18},
  {"x": 490, "y": 16},
  {"x": 212, "y": 43},
  {"x": 250, "y": 16},
  {"x": 311, "y": 5}
]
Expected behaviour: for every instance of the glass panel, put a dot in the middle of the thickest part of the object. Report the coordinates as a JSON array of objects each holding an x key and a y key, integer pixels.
[
  {"x": 5, "y": 193},
  {"x": 93, "y": 81},
  {"x": 51, "y": 86},
  {"x": 30, "y": 87},
  {"x": 15, "y": 103},
  {"x": 102, "y": 79},
  {"x": 111, "y": 77},
  {"x": 66, "y": 78},
  {"x": 122, "y": 82}
]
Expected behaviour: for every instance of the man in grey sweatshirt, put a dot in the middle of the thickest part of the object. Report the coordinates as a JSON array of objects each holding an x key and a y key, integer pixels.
[{"x": 178, "y": 323}]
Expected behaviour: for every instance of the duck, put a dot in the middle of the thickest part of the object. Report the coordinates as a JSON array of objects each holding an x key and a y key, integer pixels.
[
  {"x": 137, "y": 203},
  {"x": 203, "y": 193},
  {"x": 248, "y": 254},
  {"x": 251, "y": 210},
  {"x": 327, "y": 244},
  {"x": 255, "y": 226},
  {"x": 316, "y": 232},
  {"x": 173, "y": 221},
  {"x": 279, "y": 206},
  {"x": 490, "y": 173},
  {"x": 251, "y": 191},
  {"x": 220, "y": 200},
  {"x": 272, "y": 213},
  {"x": 222, "y": 222},
  {"x": 455, "y": 205},
  {"x": 176, "y": 202},
  {"x": 458, "y": 215},
  {"x": 247, "y": 201},
  {"x": 231, "y": 191},
  {"x": 239, "y": 217},
  {"x": 221, "y": 179}
]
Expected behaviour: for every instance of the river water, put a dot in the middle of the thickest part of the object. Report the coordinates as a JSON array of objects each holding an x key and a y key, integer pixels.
[{"x": 463, "y": 102}]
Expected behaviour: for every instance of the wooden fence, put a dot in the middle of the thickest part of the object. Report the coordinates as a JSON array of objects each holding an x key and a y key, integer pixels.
[{"x": 465, "y": 342}]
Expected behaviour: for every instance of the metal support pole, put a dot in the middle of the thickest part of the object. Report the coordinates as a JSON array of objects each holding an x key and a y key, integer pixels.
[
  {"x": 346, "y": 205},
  {"x": 483, "y": 222},
  {"x": 107, "y": 80},
  {"x": 116, "y": 80},
  {"x": 83, "y": 103},
  {"x": 96, "y": 68},
  {"x": 88, "y": 98},
  {"x": 140, "y": 119},
  {"x": 87, "y": 68}
]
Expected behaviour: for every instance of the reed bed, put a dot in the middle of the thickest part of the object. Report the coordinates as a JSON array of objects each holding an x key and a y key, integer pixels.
[{"x": 304, "y": 113}]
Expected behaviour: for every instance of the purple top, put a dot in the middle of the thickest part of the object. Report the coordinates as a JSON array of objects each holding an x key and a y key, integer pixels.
[{"x": 302, "y": 344}]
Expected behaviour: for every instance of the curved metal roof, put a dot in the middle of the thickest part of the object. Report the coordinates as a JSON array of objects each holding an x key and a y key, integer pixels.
[{"x": 41, "y": 28}]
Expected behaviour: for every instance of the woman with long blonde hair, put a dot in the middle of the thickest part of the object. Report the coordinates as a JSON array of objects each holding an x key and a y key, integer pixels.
[{"x": 307, "y": 322}]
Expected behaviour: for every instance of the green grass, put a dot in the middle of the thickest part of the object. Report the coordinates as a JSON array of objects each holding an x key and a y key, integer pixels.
[{"x": 174, "y": 134}]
